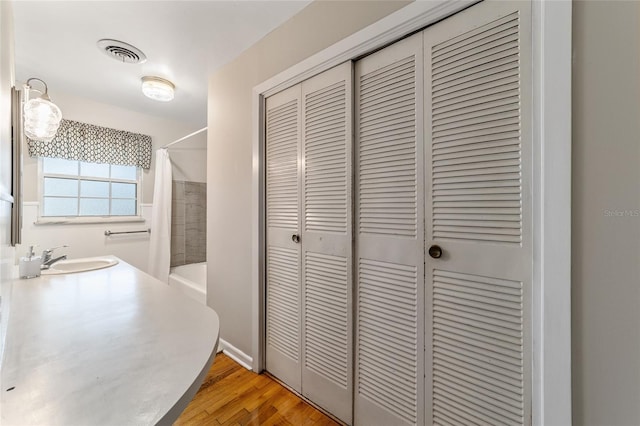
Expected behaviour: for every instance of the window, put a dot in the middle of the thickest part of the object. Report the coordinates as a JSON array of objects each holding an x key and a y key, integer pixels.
[{"x": 75, "y": 188}]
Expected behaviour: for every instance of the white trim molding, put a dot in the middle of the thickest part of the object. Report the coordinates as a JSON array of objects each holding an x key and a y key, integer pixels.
[
  {"x": 83, "y": 220},
  {"x": 235, "y": 354},
  {"x": 552, "y": 212},
  {"x": 551, "y": 37}
]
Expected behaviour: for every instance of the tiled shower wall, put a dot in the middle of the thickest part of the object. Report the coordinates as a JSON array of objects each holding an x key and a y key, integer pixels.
[{"x": 188, "y": 223}]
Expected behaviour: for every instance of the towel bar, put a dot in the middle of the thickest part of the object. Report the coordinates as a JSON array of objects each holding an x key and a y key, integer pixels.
[{"x": 108, "y": 233}]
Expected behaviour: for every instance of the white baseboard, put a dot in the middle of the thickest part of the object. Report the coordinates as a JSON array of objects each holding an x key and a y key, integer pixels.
[{"x": 235, "y": 354}]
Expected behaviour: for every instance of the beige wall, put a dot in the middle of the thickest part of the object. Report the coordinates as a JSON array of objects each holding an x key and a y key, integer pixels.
[
  {"x": 606, "y": 209},
  {"x": 189, "y": 159},
  {"x": 316, "y": 27}
]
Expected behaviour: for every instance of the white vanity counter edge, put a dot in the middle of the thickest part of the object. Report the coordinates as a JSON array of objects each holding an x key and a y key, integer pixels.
[{"x": 112, "y": 346}]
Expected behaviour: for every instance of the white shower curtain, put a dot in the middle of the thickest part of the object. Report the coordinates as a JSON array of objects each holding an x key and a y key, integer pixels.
[{"x": 160, "y": 244}]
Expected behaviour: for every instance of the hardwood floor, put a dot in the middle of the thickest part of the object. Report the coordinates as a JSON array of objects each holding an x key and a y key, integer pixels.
[{"x": 233, "y": 395}]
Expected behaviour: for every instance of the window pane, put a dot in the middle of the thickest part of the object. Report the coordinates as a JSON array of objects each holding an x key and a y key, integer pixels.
[
  {"x": 123, "y": 190},
  {"x": 59, "y": 166},
  {"x": 94, "y": 170},
  {"x": 95, "y": 195},
  {"x": 91, "y": 188},
  {"x": 61, "y": 187},
  {"x": 123, "y": 207},
  {"x": 94, "y": 207},
  {"x": 124, "y": 172},
  {"x": 60, "y": 206}
]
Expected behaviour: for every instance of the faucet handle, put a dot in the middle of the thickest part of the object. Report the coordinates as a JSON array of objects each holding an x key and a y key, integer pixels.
[{"x": 50, "y": 250}]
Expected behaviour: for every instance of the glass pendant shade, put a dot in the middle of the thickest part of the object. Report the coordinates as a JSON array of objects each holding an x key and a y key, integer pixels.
[
  {"x": 41, "y": 119},
  {"x": 157, "y": 88}
]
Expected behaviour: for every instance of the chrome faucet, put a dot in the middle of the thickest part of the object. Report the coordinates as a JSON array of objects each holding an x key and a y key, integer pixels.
[{"x": 47, "y": 261}]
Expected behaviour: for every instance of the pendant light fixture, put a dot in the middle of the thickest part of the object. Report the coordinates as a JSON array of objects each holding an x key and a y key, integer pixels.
[
  {"x": 41, "y": 116},
  {"x": 157, "y": 88}
]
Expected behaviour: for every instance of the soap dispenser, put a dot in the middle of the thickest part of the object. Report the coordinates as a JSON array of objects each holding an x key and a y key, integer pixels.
[{"x": 30, "y": 264}]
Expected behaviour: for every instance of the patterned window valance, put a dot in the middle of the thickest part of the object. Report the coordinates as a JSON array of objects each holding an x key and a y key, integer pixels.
[{"x": 95, "y": 144}]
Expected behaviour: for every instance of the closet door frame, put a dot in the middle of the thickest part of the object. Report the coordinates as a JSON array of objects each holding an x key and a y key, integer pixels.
[{"x": 551, "y": 213}]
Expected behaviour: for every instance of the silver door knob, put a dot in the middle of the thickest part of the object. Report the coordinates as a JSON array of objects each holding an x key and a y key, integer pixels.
[{"x": 295, "y": 238}]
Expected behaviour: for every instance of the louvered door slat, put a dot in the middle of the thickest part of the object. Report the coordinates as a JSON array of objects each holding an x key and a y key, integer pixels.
[
  {"x": 282, "y": 297},
  {"x": 469, "y": 52},
  {"x": 477, "y": 391},
  {"x": 377, "y": 116},
  {"x": 478, "y": 86},
  {"x": 320, "y": 165},
  {"x": 282, "y": 166},
  {"x": 326, "y": 310},
  {"x": 478, "y": 163}
]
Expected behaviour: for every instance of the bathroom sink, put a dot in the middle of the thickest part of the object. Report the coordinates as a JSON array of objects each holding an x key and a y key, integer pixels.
[{"x": 80, "y": 265}]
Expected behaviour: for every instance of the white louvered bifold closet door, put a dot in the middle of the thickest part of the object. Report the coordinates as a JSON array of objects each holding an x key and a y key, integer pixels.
[
  {"x": 478, "y": 166},
  {"x": 327, "y": 241},
  {"x": 309, "y": 239},
  {"x": 283, "y": 269},
  {"x": 389, "y": 360}
]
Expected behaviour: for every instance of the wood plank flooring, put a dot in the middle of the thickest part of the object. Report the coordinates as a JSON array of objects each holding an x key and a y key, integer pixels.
[{"x": 233, "y": 395}]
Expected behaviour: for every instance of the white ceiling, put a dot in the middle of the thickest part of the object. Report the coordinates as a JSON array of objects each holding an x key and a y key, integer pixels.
[{"x": 184, "y": 41}]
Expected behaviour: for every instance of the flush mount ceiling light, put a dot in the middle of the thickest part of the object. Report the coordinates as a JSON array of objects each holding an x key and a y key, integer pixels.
[
  {"x": 158, "y": 88},
  {"x": 41, "y": 116}
]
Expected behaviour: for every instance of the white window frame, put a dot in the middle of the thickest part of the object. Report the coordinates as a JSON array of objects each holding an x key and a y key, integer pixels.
[
  {"x": 551, "y": 311},
  {"x": 42, "y": 219}
]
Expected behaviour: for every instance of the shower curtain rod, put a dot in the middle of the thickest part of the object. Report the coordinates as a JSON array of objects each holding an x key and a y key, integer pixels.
[{"x": 184, "y": 137}]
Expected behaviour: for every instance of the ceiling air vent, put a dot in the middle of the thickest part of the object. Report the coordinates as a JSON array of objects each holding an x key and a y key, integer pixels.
[{"x": 121, "y": 51}]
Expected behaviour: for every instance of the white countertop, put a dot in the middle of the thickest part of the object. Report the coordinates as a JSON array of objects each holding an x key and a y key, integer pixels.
[{"x": 112, "y": 346}]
